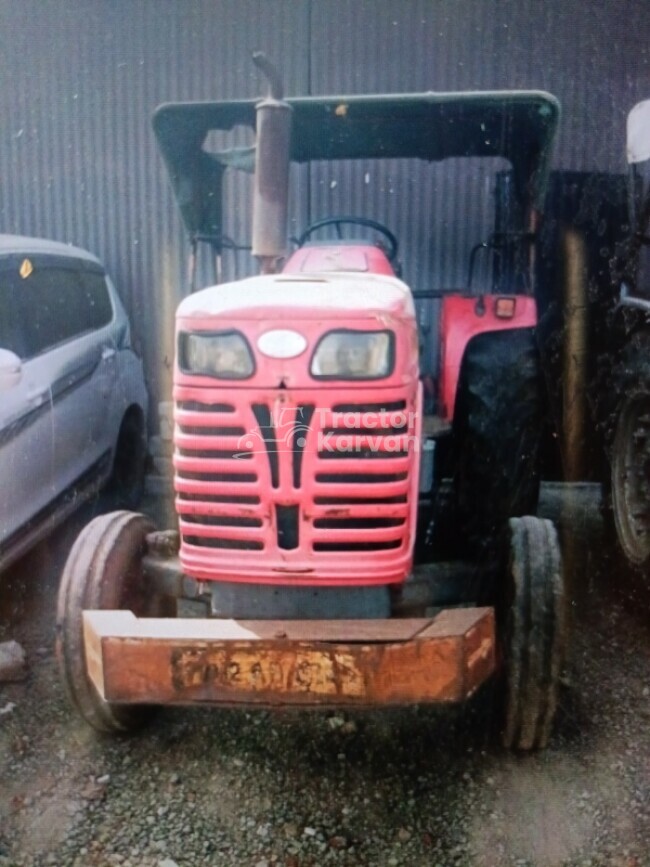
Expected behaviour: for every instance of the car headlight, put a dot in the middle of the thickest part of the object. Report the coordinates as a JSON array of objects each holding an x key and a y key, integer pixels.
[
  {"x": 354, "y": 355},
  {"x": 225, "y": 354}
]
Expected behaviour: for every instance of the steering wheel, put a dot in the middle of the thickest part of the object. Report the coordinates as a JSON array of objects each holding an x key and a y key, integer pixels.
[{"x": 354, "y": 221}]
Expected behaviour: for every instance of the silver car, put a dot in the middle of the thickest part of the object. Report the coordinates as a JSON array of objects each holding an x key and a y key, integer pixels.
[{"x": 73, "y": 403}]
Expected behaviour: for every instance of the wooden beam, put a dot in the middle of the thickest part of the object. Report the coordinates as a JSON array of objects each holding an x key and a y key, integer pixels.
[{"x": 317, "y": 663}]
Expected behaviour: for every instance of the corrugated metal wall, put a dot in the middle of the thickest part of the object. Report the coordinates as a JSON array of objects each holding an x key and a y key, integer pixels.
[
  {"x": 80, "y": 80},
  {"x": 78, "y": 159}
]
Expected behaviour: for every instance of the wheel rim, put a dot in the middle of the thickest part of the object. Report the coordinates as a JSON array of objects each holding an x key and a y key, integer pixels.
[{"x": 631, "y": 478}]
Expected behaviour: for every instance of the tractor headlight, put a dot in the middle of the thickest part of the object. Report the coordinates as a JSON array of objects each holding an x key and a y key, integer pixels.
[
  {"x": 354, "y": 355},
  {"x": 224, "y": 354}
]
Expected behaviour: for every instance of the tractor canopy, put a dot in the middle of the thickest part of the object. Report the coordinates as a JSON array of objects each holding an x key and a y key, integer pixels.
[{"x": 517, "y": 125}]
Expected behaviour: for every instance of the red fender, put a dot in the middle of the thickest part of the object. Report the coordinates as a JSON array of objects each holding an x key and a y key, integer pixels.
[{"x": 462, "y": 319}]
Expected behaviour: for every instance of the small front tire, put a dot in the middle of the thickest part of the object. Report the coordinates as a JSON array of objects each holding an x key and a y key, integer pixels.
[
  {"x": 535, "y": 633},
  {"x": 102, "y": 572}
]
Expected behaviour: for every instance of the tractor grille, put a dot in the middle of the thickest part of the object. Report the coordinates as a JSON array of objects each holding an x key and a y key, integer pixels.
[
  {"x": 216, "y": 478},
  {"x": 317, "y": 489},
  {"x": 363, "y": 448}
]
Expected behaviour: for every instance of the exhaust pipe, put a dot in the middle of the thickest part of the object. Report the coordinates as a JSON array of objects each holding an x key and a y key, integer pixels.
[{"x": 271, "y": 186}]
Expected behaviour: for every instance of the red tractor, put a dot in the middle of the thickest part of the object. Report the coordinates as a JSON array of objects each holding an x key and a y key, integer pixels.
[{"x": 310, "y": 466}]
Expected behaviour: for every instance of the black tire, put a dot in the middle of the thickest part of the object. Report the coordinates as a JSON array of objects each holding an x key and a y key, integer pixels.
[
  {"x": 497, "y": 432},
  {"x": 628, "y": 432},
  {"x": 102, "y": 572},
  {"x": 534, "y": 633},
  {"x": 125, "y": 487}
]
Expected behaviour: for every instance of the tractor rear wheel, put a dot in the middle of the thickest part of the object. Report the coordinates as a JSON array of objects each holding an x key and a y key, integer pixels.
[
  {"x": 630, "y": 454},
  {"x": 534, "y": 633},
  {"x": 497, "y": 431},
  {"x": 102, "y": 572}
]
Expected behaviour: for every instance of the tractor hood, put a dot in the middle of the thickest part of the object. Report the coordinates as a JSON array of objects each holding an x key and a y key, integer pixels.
[
  {"x": 517, "y": 125},
  {"x": 339, "y": 297}
]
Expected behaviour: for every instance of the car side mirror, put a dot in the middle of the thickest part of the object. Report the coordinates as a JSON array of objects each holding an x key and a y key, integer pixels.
[{"x": 11, "y": 369}]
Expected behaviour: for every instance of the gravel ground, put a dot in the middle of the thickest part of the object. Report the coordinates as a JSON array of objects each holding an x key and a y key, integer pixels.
[{"x": 417, "y": 787}]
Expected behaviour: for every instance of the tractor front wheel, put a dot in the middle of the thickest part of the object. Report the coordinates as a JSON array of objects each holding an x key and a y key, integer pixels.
[
  {"x": 535, "y": 633},
  {"x": 102, "y": 572}
]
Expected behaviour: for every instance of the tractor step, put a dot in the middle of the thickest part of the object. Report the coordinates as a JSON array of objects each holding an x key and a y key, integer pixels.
[{"x": 137, "y": 660}]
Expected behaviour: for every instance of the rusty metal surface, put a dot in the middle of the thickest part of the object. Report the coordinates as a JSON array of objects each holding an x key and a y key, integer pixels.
[
  {"x": 315, "y": 663},
  {"x": 310, "y": 672}
]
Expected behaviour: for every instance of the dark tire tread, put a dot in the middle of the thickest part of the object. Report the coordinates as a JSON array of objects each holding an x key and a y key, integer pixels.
[
  {"x": 497, "y": 429},
  {"x": 536, "y": 634},
  {"x": 630, "y": 386}
]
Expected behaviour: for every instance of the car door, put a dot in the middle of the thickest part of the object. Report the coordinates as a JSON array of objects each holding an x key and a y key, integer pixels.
[
  {"x": 73, "y": 320},
  {"x": 26, "y": 423}
]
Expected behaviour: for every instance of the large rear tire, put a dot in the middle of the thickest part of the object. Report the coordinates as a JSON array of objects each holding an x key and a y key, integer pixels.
[
  {"x": 497, "y": 432},
  {"x": 534, "y": 633},
  {"x": 630, "y": 453},
  {"x": 103, "y": 571}
]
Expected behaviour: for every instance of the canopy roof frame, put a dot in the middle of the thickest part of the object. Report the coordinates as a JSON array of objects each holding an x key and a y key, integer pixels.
[{"x": 517, "y": 125}]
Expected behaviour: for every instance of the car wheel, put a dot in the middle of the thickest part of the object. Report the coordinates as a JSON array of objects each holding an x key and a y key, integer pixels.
[{"x": 126, "y": 484}]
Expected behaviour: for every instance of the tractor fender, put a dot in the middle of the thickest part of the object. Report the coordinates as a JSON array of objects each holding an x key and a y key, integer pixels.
[{"x": 462, "y": 319}]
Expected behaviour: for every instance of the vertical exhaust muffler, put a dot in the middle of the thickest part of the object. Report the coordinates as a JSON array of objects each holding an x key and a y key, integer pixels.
[{"x": 271, "y": 185}]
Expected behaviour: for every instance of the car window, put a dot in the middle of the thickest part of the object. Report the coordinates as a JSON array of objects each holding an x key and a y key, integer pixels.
[
  {"x": 59, "y": 304},
  {"x": 11, "y": 332},
  {"x": 97, "y": 309}
]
